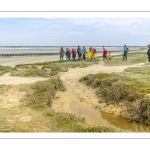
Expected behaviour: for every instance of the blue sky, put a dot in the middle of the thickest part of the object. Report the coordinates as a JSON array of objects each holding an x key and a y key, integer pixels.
[{"x": 74, "y": 31}]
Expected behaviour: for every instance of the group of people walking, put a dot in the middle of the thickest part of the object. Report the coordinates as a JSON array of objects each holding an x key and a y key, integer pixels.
[
  {"x": 92, "y": 54},
  {"x": 82, "y": 54}
]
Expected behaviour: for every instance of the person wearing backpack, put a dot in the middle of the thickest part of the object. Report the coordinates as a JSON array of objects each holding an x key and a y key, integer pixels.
[
  {"x": 62, "y": 52},
  {"x": 69, "y": 55},
  {"x": 126, "y": 50},
  {"x": 73, "y": 54},
  {"x": 79, "y": 52},
  {"x": 148, "y": 54}
]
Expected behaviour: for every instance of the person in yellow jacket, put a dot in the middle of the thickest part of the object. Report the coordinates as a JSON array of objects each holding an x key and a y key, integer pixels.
[
  {"x": 109, "y": 56},
  {"x": 94, "y": 54},
  {"x": 89, "y": 54}
]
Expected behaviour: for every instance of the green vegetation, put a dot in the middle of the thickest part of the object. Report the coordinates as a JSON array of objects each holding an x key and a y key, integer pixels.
[
  {"x": 47, "y": 69},
  {"x": 133, "y": 58},
  {"x": 30, "y": 72},
  {"x": 5, "y": 69},
  {"x": 48, "y": 121},
  {"x": 43, "y": 92},
  {"x": 37, "y": 104},
  {"x": 114, "y": 88},
  {"x": 145, "y": 70},
  {"x": 132, "y": 90}
]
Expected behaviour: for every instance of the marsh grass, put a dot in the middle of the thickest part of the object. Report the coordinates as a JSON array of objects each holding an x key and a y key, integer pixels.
[
  {"x": 132, "y": 87},
  {"x": 144, "y": 70},
  {"x": 30, "y": 72},
  {"x": 133, "y": 58},
  {"x": 49, "y": 121},
  {"x": 114, "y": 88},
  {"x": 5, "y": 69},
  {"x": 47, "y": 69},
  {"x": 43, "y": 92}
]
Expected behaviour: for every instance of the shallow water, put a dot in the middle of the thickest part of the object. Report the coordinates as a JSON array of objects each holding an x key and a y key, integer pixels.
[
  {"x": 124, "y": 123},
  {"x": 49, "y": 49}
]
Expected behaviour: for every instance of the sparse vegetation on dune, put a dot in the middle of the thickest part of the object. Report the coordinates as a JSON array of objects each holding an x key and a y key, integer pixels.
[
  {"x": 133, "y": 58},
  {"x": 31, "y": 72},
  {"x": 43, "y": 92},
  {"x": 5, "y": 69},
  {"x": 131, "y": 87},
  {"x": 47, "y": 69},
  {"x": 36, "y": 105}
]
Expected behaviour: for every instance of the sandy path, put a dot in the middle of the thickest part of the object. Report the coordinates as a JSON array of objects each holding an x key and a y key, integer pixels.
[
  {"x": 79, "y": 99},
  {"x": 7, "y": 79}
]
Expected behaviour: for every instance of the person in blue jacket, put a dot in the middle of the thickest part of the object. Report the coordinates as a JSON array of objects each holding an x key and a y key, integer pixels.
[
  {"x": 125, "y": 52},
  {"x": 148, "y": 54}
]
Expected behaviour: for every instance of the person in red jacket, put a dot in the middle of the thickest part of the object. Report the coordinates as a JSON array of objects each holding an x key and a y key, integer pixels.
[{"x": 104, "y": 54}]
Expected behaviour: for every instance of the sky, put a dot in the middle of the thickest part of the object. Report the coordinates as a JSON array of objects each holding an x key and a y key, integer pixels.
[{"x": 98, "y": 31}]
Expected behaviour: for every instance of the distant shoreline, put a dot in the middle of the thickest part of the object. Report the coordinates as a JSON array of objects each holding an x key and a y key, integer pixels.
[{"x": 29, "y": 59}]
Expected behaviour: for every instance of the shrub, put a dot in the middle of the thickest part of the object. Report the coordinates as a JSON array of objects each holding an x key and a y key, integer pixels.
[
  {"x": 43, "y": 92},
  {"x": 5, "y": 69}
]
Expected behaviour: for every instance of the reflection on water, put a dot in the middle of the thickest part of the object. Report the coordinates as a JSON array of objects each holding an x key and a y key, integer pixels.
[{"x": 124, "y": 123}]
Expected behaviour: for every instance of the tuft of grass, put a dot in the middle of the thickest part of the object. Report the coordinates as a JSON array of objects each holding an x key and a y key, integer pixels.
[
  {"x": 5, "y": 69},
  {"x": 140, "y": 110},
  {"x": 30, "y": 72},
  {"x": 145, "y": 70},
  {"x": 43, "y": 92}
]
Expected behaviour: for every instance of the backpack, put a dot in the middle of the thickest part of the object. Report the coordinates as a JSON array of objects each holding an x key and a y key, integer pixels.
[
  {"x": 148, "y": 52},
  {"x": 69, "y": 52},
  {"x": 79, "y": 52}
]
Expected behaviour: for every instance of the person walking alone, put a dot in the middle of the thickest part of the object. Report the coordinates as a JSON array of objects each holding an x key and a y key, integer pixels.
[
  {"x": 148, "y": 54},
  {"x": 125, "y": 52}
]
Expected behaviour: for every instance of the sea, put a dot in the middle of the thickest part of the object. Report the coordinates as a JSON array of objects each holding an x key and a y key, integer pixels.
[{"x": 56, "y": 49}]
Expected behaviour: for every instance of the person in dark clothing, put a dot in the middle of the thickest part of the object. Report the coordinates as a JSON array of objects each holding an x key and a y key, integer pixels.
[
  {"x": 69, "y": 54},
  {"x": 148, "y": 54},
  {"x": 79, "y": 52},
  {"x": 62, "y": 52}
]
